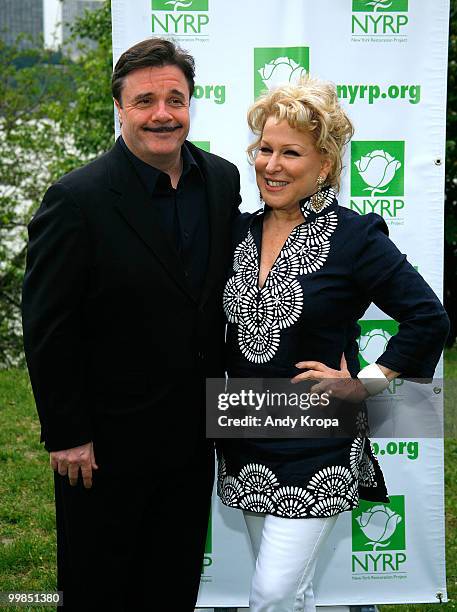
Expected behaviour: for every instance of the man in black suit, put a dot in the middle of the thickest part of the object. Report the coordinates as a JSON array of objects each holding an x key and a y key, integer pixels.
[{"x": 122, "y": 324}]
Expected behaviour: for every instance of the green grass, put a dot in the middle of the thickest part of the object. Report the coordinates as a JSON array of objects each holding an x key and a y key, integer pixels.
[
  {"x": 27, "y": 535},
  {"x": 27, "y": 524},
  {"x": 450, "y": 397}
]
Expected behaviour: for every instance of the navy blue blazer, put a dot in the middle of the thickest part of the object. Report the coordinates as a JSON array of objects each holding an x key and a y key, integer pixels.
[{"x": 328, "y": 272}]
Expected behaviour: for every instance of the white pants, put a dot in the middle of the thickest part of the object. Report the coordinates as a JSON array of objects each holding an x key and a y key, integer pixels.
[{"x": 286, "y": 552}]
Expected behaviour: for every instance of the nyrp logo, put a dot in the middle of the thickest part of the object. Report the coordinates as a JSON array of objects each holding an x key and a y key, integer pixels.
[
  {"x": 184, "y": 18},
  {"x": 179, "y": 5},
  {"x": 374, "y": 336},
  {"x": 207, "y": 558},
  {"x": 377, "y": 167},
  {"x": 379, "y": 17},
  {"x": 379, "y": 6},
  {"x": 378, "y": 176},
  {"x": 202, "y": 144},
  {"x": 378, "y": 526},
  {"x": 275, "y": 66},
  {"x": 378, "y": 539}
]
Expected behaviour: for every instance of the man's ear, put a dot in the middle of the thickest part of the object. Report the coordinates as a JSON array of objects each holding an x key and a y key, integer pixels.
[{"x": 119, "y": 110}]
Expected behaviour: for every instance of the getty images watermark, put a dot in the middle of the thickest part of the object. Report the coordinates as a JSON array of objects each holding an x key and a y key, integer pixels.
[
  {"x": 275, "y": 408},
  {"x": 269, "y": 401}
]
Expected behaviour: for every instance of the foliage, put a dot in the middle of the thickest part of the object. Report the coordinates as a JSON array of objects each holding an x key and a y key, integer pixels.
[
  {"x": 56, "y": 114},
  {"x": 90, "y": 119},
  {"x": 29, "y": 142}
]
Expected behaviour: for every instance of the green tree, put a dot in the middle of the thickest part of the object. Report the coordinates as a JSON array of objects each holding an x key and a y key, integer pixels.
[
  {"x": 90, "y": 117},
  {"x": 55, "y": 115},
  {"x": 30, "y": 81}
]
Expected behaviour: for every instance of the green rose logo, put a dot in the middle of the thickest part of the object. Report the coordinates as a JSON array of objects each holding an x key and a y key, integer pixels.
[
  {"x": 178, "y": 4},
  {"x": 380, "y": 4},
  {"x": 377, "y": 169},
  {"x": 281, "y": 70},
  {"x": 378, "y": 524},
  {"x": 373, "y": 344}
]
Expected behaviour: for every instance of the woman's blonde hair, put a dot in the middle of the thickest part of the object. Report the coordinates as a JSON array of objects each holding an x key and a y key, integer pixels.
[{"x": 310, "y": 106}]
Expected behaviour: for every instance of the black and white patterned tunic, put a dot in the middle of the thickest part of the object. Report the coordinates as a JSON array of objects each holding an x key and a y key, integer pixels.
[{"x": 328, "y": 271}]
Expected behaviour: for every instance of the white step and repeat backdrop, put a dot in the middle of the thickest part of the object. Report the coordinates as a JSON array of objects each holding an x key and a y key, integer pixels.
[{"x": 388, "y": 59}]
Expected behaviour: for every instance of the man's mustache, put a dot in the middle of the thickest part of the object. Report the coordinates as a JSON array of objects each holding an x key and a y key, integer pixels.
[{"x": 163, "y": 128}]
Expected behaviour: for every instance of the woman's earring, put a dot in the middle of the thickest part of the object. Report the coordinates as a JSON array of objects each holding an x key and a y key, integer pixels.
[
  {"x": 260, "y": 197},
  {"x": 317, "y": 200}
]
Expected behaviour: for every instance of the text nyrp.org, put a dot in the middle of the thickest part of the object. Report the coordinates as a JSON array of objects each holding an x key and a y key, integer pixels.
[{"x": 373, "y": 93}]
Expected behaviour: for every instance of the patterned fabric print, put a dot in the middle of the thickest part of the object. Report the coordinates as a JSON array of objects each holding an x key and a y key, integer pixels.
[
  {"x": 221, "y": 474},
  {"x": 331, "y": 490},
  {"x": 361, "y": 424},
  {"x": 367, "y": 474},
  {"x": 292, "y": 502},
  {"x": 257, "y": 479},
  {"x": 355, "y": 456},
  {"x": 261, "y": 314}
]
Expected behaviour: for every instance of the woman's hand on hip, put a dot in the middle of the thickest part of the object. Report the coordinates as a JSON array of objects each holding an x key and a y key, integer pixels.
[{"x": 338, "y": 383}]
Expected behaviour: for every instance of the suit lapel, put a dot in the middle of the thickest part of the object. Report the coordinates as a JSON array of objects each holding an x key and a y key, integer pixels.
[
  {"x": 218, "y": 225},
  {"x": 136, "y": 208}
]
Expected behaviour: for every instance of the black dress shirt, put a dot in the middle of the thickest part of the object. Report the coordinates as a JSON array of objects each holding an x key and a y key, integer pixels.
[{"x": 183, "y": 212}]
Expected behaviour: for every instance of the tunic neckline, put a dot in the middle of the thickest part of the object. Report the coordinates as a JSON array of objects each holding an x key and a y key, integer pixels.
[{"x": 309, "y": 215}]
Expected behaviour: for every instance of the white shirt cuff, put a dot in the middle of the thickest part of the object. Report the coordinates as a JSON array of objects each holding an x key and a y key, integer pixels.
[{"x": 373, "y": 379}]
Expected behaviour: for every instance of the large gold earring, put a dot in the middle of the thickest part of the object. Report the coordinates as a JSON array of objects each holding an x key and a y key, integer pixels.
[{"x": 317, "y": 200}]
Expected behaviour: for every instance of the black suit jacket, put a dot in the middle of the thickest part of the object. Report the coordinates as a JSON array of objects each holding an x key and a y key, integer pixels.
[{"x": 110, "y": 323}]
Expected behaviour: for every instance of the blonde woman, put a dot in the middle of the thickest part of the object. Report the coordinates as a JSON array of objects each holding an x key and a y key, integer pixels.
[{"x": 304, "y": 271}]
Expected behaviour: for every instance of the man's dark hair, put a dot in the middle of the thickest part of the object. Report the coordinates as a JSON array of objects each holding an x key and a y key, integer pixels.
[{"x": 149, "y": 53}]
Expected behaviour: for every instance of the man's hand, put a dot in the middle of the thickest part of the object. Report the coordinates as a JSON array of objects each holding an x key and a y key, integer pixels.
[{"x": 72, "y": 460}]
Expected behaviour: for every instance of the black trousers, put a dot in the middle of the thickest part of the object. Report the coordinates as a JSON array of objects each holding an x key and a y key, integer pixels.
[{"x": 135, "y": 541}]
